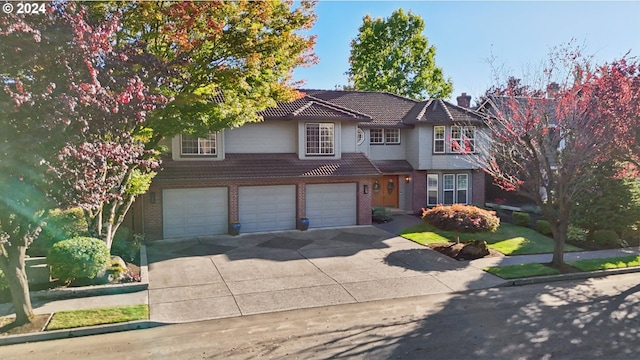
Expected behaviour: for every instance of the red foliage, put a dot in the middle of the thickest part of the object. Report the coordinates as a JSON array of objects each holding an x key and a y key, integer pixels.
[{"x": 461, "y": 218}]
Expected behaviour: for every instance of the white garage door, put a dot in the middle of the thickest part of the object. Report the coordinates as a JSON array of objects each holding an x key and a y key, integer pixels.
[
  {"x": 332, "y": 204},
  {"x": 193, "y": 212},
  {"x": 267, "y": 208}
]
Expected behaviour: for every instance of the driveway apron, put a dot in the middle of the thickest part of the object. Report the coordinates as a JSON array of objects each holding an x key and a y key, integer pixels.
[{"x": 225, "y": 276}]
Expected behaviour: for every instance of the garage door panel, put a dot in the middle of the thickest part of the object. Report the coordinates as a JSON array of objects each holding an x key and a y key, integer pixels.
[
  {"x": 332, "y": 204},
  {"x": 267, "y": 208},
  {"x": 194, "y": 212}
]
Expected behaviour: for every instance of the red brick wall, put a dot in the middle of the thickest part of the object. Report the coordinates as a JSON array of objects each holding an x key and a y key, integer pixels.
[
  {"x": 364, "y": 202},
  {"x": 419, "y": 190},
  {"x": 478, "y": 187}
]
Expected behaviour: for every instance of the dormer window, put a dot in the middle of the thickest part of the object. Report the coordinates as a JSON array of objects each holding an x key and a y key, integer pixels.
[
  {"x": 319, "y": 139},
  {"x": 384, "y": 136},
  {"x": 192, "y": 145}
]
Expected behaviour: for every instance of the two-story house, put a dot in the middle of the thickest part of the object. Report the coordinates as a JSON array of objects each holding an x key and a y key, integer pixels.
[{"x": 329, "y": 157}]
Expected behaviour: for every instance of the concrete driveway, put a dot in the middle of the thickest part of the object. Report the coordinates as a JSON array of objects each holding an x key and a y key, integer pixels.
[{"x": 226, "y": 276}]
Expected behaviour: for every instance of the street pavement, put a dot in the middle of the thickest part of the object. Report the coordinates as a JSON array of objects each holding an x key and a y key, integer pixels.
[{"x": 216, "y": 277}]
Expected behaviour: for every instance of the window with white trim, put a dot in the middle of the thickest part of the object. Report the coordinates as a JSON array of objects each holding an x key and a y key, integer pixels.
[
  {"x": 392, "y": 136},
  {"x": 463, "y": 139},
  {"x": 384, "y": 136},
  {"x": 432, "y": 189},
  {"x": 360, "y": 136},
  {"x": 376, "y": 136},
  {"x": 469, "y": 138},
  {"x": 192, "y": 145},
  {"x": 319, "y": 139},
  {"x": 456, "y": 139},
  {"x": 448, "y": 188},
  {"x": 438, "y": 139},
  {"x": 462, "y": 187}
]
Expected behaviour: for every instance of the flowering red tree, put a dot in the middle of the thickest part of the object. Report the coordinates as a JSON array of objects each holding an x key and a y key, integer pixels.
[
  {"x": 66, "y": 91},
  {"x": 547, "y": 147}
]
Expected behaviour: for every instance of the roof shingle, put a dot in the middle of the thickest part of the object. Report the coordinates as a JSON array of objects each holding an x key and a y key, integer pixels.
[{"x": 261, "y": 166}]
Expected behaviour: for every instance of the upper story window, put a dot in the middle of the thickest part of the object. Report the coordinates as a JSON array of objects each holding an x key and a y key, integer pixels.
[
  {"x": 384, "y": 136},
  {"x": 462, "y": 139},
  {"x": 360, "y": 136},
  {"x": 438, "y": 139},
  {"x": 192, "y": 145},
  {"x": 319, "y": 138}
]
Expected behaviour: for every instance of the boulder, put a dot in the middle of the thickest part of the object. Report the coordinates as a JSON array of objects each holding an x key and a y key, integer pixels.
[{"x": 473, "y": 250}]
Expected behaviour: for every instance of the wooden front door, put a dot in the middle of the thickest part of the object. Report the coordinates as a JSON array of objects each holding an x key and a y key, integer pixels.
[{"x": 385, "y": 191}]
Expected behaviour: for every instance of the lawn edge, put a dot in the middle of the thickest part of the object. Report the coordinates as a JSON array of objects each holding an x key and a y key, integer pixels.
[{"x": 570, "y": 276}]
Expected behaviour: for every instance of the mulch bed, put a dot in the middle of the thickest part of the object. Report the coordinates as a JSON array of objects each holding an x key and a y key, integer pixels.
[
  {"x": 8, "y": 327},
  {"x": 453, "y": 250}
]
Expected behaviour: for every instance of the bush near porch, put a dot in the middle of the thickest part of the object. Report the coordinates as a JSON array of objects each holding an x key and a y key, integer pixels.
[{"x": 509, "y": 239}]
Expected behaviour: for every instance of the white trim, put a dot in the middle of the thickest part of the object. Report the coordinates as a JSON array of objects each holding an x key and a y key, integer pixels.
[
  {"x": 458, "y": 189},
  {"x": 452, "y": 189},
  {"x": 360, "y": 136},
  {"x": 436, "y": 189},
  {"x": 202, "y": 144},
  {"x": 391, "y": 142},
  {"x": 444, "y": 138},
  {"x": 326, "y": 137}
]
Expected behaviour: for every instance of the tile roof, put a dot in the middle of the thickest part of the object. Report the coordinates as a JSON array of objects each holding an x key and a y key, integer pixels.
[
  {"x": 495, "y": 104},
  {"x": 438, "y": 111},
  {"x": 261, "y": 166},
  {"x": 386, "y": 110},
  {"x": 310, "y": 107},
  {"x": 393, "y": 166}
]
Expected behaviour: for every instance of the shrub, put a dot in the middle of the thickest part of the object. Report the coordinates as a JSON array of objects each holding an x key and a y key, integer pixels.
[
  {"x": 461, "y": 218},
  {"x": 606, "y": 238},
  {"x": 632, "y": 236},
  {"x": 125, "y": 248},
  {"x": 576, "y": 234},
  {"x": 4, "y": 285},
  {"x": 79, "y": 257},
  {"x": 380, "y": 215},
  {"x": 543, "y": 227},
  {"x": 521, "y": 218},
  {"x": 60, "y": 225}
]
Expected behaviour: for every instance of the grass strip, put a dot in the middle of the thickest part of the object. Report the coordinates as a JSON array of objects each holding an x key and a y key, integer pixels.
[
  {"x": 99, "y": 316},
  {"x": 606, "y": 263},
  {"x": 509, "y": 239},
  {"x": 521, "y": 271}
]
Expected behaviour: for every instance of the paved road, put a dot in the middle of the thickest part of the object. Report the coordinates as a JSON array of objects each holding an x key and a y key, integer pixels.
[{"x": 586, "y": 319}]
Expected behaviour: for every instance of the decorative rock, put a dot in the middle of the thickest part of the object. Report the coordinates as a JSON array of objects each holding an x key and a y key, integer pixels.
[{"x": 474, "y": 250}]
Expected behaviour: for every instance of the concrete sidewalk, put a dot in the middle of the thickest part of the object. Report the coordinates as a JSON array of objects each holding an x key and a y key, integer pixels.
[{"x": 228, "y": 276}]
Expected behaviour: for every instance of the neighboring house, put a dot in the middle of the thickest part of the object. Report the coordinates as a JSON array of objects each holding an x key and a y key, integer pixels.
[{"x": 330, "y": 157}]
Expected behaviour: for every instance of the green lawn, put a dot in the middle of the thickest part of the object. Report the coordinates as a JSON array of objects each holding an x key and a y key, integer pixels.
[
  {"x": 509, "y": 239},
  {"x": 606, "y": 263},
  {"x": 99, "y": 316},
  {"x": 521, "y": 271}
]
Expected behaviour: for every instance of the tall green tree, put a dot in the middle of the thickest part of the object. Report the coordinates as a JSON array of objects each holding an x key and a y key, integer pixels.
[
  {"x": 393, "y": 55},
  {"x": 220, "y": 62}
]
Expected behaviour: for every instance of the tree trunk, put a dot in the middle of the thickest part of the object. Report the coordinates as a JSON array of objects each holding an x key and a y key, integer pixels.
[
  {"x": 16, "y": 275},
  {"x": 559, "y": 239}
]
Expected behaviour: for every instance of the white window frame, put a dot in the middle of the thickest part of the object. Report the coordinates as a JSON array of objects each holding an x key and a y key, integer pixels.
[
  {"x": 455, "y": 141},
  {"x": 469, "y": 140},
  {"x": 439, "y": 140},
  {"x": 325, "y": 139},
  {"x": 452, "y": 189},
  {"x": 360, "y": 136},
  {"x": 376, "y": 136},
  {"x": 458, "y": 189},
  {"x": 431, "y": 188},
  {"x": 394, "y": 133},
  {"x": 201, "y": 144}
]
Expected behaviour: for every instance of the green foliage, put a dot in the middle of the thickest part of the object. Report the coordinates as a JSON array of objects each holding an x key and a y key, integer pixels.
[
  {"x": 79, "y": 257},
  {"x": 60, "y": 225},
  {"x": 543, "y": 227},
  {"x": 461, "y": 218},
  {"x": 220, "y": 62},
  {"x": 125, "y": 247},
  {"x": 380, "y": 215},
  {"x": 4, "y": 285},
  {"x": 576, "y": 234},
  {"x": 606, "y": 238},
  {"x": 393, "y": 55},
  {"x": 609, "y": 202},
  {"x": 521, "y": 218}
]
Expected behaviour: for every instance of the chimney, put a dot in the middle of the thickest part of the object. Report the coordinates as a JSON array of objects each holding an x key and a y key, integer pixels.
[
  {"x": 552, "y": 90},
  {"x": 464, "y": 100}
]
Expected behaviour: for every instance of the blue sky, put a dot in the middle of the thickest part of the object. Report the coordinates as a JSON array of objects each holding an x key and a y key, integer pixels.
[{"x": 518, "y": 34}]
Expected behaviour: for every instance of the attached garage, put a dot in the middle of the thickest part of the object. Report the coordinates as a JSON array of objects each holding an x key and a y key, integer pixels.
[
  {"x": 267, "y": 208},
  {"x": 332, "y": 204},
  {"x": 193, "y": 212}
]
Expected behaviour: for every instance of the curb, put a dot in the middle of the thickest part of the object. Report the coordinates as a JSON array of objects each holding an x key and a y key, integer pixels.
[
  {"x": 84, "y": 331},
  {"x": 570, "y": 276}
]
